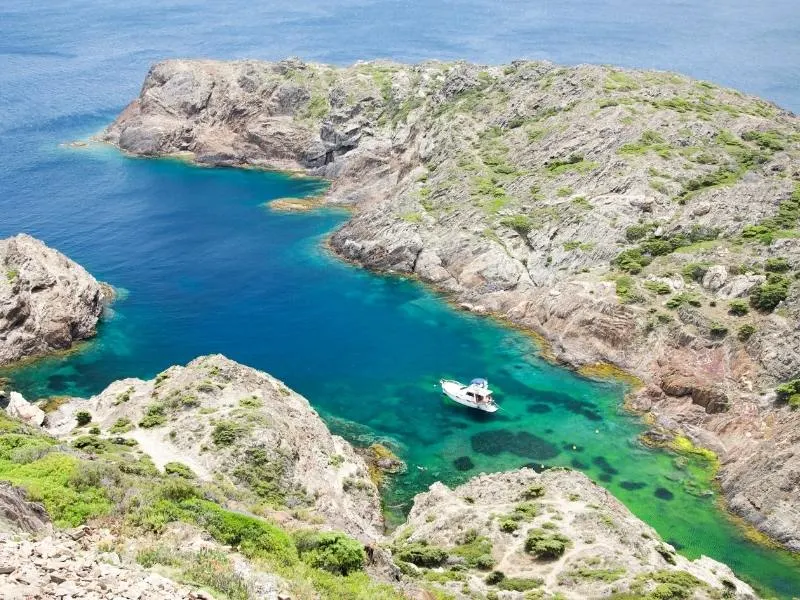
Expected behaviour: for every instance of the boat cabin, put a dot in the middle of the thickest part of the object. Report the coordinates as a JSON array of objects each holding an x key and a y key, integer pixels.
[{"x": 479, "y": 392}]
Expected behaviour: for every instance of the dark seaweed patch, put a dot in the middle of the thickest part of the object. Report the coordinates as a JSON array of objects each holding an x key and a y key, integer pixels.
[
  {"x": 674, "y": 544},
  {"x": 572, "y": 447},
  {"x": 632, "y": 485},
  {"x": 521, "y": 443},
  {"x": 663, "y": 494},
  {"x": 573, "y": 405},
  {"x": 606, "y": 477},
  {"x": 577, "y": 464},
  {"x": 604, "y": 465},
  {"x": 463, "y": 463},
  {"x": 57, "y": 382},
  {"x": 538, "y": 408}
]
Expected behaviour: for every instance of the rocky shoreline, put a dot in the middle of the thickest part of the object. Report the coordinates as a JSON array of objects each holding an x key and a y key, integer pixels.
[
  {"x": 216, "y": 480},
  {"x": 636, "y": 218}
]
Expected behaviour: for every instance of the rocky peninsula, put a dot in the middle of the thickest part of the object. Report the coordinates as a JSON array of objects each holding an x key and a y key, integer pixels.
[
  {"x": 47, "y": 301},
  {"x": 215, "y": 480},
  {"x": 641, "y": 219}
]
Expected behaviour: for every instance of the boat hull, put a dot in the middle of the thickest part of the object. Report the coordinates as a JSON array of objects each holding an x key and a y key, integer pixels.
[{"x": 452, "y": 389}]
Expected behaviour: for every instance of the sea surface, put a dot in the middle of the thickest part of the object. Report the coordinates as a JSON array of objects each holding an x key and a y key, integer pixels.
[{"x": 203, "y": 267}]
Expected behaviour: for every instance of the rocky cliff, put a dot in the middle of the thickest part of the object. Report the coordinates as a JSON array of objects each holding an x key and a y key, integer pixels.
[
  {"x": 643, "y": 219},
  {"x": 216, "y": 481},
  {"x": 47, "y": 302}
]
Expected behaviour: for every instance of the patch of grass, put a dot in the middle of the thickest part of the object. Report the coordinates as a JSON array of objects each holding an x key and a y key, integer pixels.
[
  {"x": 475, "y": 550},
  {"x": 121, "y": 425},
  {"x": 679, "y": 300},
  {"x": 650, "y": 141},
  {"x": 657, "y": 287},
  {"x": 522, "y": 224},
  {"x": 411, "y": 217},
  {"x": 618, "y": 81},
  {"x": 11, "y": 275},
  {"x": 574, "y": 162},
  {"x": 179, "y": 470},
  {"x": 563, "y": 192},
  {"x": 607, "y": 575}
]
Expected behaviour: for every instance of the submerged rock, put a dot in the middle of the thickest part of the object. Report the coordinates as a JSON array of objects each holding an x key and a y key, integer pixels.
[{"x": 47, "y": 301}]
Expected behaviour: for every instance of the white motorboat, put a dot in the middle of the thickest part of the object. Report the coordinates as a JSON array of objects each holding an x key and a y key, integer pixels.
[{"x": 475, "y": 395}]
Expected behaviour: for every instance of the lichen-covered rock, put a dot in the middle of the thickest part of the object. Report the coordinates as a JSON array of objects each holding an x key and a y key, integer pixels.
[
  {"x": 555, "y": 532},
  {"x": 222, "y": 419},
  {"x": 47, "y": 302}
]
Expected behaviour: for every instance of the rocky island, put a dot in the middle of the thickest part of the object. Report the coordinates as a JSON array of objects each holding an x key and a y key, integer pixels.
[
  {"x": 640, "y": 219},
  {"x": 47, "y": 301},
  {"x": 214, "y": 480}
]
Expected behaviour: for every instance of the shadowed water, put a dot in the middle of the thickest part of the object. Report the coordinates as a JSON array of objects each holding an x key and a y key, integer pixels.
[{"x": 208, "y": 269}]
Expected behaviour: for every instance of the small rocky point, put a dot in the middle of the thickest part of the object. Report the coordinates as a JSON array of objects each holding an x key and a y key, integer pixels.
[
  {"x": 47, "y": 301},
  {"x": 639, "y": 218}
]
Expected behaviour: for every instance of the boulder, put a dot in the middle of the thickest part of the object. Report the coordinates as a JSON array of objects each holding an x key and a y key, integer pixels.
[{"x": 21, "y": 409}]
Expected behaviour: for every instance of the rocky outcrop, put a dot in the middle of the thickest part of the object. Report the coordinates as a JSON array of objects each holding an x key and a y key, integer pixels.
[
  {"x": 58, "y": 566},
  {"x": 47, "y": 302},
  {"x": 614, "y": 212},
  {"x": 21, "y": 409},
  {"x": 596, "y": 546},
  {"x": 17, "y": 513},
  {"x": 223, "y": 420}
]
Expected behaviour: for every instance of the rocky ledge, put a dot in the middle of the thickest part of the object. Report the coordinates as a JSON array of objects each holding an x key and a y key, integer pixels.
[
  {"x": 643, "y": 219},
  {"x": 215, "y": 480},
  {"x": 229, "y": 423},
  {"x": 47, "y": 302}
]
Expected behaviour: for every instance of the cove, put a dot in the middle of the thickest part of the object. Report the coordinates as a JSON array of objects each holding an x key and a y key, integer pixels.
[{"x": 208, "y": 269}]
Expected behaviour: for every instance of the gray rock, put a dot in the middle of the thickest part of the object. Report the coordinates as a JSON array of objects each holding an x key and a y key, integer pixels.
[{"x": 23, "y": 410}]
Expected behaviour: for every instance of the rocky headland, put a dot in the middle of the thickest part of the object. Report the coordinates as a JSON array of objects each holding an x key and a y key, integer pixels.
[
  {"x": 47, "y": 301},
  {"x": 636, "y": 218},
  {"x": 215, "y": 480}
]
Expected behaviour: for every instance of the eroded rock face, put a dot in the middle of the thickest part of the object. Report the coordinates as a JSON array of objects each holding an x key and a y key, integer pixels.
[
  {"x": 515, "y": 187},
  {"x": 607, "y": 548},
  {"x": 47, "y": 302},
  {"x": 21, "y": 409},
  {"x": 17, "y": 513},
  {"x": 221, "y": 418}
]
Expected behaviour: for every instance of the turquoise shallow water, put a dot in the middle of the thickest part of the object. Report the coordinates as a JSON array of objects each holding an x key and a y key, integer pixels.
[{"x": 207, "y": 269}]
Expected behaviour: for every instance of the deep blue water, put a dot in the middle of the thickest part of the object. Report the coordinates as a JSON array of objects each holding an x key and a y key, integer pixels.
[{"x": 208, "y": 269}]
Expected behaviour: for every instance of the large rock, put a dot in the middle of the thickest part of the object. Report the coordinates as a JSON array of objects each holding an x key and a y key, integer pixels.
[
  {"x": 47, "y": 302},
  {"x": 23, "y": 410},
  {"x": 603, "y": 538},
  {"x": 222, "y": 419}
]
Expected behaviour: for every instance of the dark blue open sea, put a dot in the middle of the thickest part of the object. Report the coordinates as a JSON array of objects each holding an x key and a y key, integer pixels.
[{"x": 205, "y": 268}]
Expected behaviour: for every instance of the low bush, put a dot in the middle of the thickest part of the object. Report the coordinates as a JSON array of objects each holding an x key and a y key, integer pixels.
[
  {"x": 83, "y": 418},
  {"x": 225, "y": 433},
  {"x": 179, "y": 469},
  {"x": 546, "y": 545},
  {"x": 535, "y": 490},
  {"x": 766, "y": 296},
  {"x": 776, "y": 265},
  {"x": 421, "y": 554},
  {"x": 738, "y": 308},
  {"x": 334, "y": 552},
  {"x": 789, "y": 392},
  {"x": 520, "y": 584},
  {"x": 745, "y": 332},
  {"x": 154, "y": 415}
]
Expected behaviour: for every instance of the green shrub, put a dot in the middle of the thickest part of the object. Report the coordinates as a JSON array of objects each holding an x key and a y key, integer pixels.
[
  {"x": 420, "y": 554},
  {"x": 776, "y": 265},
  {"x": 225, "y": 433},
  {"x": 695, "y": 271},
  {"x": 494, "y": 577},
  {"x": 766, "y": 296},
  {"x": 121, "y": 425},
  {"x": 745, "y": 332},
  {"x": 679, "y": 300},
  {"x": 634, "y": 233},
  {"x": 545, "y": 544},
  {"x": 94, "y": 431},
  {"x": 738, "y": 308},
  {"x": 83, "y": 418},
  {"x": 657, "y": 287},
  {"x": 475, "y": 550},
  {"x": 535, "y": 490},
  {"x": 522, "y": 224},
  {"x": 333, "y": 552},
  {"x": 154, "y": 415},
  {"x": 717, "y": 329},
  {"x": 263, "y": 475},
  {"x": 179, "y": 469},
  {"x": 520, "y": 584},
  {"x": 789, "y": 392},
  {"x": 525, "y": 511},
  {"x": 89, "y": 443},
  {"x": 509, "y": 525}
]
